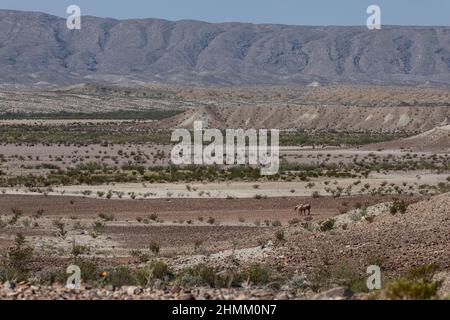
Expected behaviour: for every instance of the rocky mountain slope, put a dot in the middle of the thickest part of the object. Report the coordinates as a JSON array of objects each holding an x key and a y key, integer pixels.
[{"x": 37, "y": 49}]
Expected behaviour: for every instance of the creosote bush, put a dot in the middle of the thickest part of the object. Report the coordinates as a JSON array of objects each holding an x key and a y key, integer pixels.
[
  {"x": 398, "y": 206},
  {"x": 327, "y": 225},
  {"x": 258, "y": 274},
  {"x": 18, "y": 258},
  {"x": 417, "y": 284}
]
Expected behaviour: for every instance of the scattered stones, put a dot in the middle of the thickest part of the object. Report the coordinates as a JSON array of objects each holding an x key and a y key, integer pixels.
[
  {"x": 9, "y": 285},
  {"x": 338, "y": 293}
]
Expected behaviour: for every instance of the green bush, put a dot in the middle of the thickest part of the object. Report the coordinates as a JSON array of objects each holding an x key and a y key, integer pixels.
[
  {"x": 155, "y": 247},
  {"x": 198, "y": 275},
  {"x": 18, "y": 260},
  {"x": 404, "y": 288},
  {"x": 398, "y": 206},
  {"x": 106, "y": 217},
  {"x": 276, "y": 223},
  {"x": 121, "y": 276},
  {"x": 258, "y": 274},
  {"x": 327, "y": 225},
  {"x": 417, "y": 284},
  {"x": 78, "y": 250},
  {"x": 51, "y": 275},
  {"x": 89, "y": 270},
  {"x": 159, "y": 269},
  {"x": 349, "y": 277},
  {"x": 279, "y": 235},
  {"x": 141, "y": 256}
]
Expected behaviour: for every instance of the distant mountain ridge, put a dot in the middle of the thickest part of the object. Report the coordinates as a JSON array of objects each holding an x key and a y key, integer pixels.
[{"x": 37, "y": 49}]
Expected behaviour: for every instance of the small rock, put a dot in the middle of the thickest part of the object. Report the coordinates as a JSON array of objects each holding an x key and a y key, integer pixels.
[
  {"x": 9, "y": 285},
  {"x": 133, "y": 290},
  {"x": 110, "y": 288},
  {"x": 338, "y": 293},
  {"x": 188, "y": 296}
]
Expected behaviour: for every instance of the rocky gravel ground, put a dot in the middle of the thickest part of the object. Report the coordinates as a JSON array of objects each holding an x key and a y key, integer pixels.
[
  {"x": 11, "y": 291},
  {"x": 419, "y": 236},
  {"x": 23, "y": 291}
]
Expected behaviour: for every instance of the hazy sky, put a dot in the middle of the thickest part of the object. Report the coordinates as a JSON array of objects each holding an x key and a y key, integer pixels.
[{"x": 299, "y": 12}]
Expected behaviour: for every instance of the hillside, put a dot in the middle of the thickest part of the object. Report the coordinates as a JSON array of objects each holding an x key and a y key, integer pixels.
[
  {"x": 343, "y": 108},
  {"x": 343, "y": 118},
  {"x": 401, "y": 241},
  {"x": 434, "y": 140}
]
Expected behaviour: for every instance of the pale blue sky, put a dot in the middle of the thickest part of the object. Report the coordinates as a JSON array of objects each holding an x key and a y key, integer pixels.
[{"x": 298, "y": 12}]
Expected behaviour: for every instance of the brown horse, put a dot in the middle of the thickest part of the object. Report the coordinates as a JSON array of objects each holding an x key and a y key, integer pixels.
[{"x": 302, "y": 208}]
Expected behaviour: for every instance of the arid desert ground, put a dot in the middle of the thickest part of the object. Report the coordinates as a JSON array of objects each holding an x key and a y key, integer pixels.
[{"x": 96, "y": 188}]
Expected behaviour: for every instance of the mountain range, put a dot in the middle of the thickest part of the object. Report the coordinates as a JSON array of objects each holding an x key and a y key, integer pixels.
[{"x": 38, "y": 50}]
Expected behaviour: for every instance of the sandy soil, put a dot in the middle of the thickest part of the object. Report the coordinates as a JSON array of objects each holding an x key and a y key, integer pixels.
[{"x": 403, "y": 180}]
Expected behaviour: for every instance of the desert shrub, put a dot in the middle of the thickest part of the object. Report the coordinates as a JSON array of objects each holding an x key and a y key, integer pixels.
[
  {"x": 121, "y": 276},
  {"x": 98, "y": 227},
  {"x": 198, "y": 275},
  {"x": 403, "y": 288},
  {"x": 443, "y": 187},
  {"x": 155, "y": 247},
  {"x": 279, "y": 235},
  {"x": 349, "y": 277},
  {"x": 344, "y": 274},
  {"x": 355, "y": 216},
  {"x": 308, "y": 226},
  {"x": 315, "y": 194},
  {"x": 203, "y": 275},
  {"x": 417, "y": 284},
  {"x": 106, "y": 217},
  {"x": 18, "y": 260},
  {"x": 89, "y": 270},
  {"x": 61, "y": 228},
  {"x": 276, "y": 223},
  {"x": 299, "y": 282},
  {"x": 159, "y": 269},
  {"x": 26, "y": 222},
  {"x": 141, "y": 256},
  {"x": 258, "y": 274},
  {"x": 319, "y": 278},
  {"x": 144, "y": 276},
  {"x": 51, "y": 275},
  {"x": 17, "y": 213},
  {"x": 78, "y": 250},
  {"x": 398, "y": 206},
  {"x": 327, "y": 225}
]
